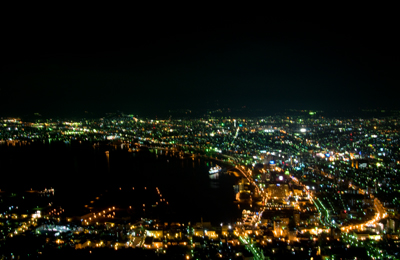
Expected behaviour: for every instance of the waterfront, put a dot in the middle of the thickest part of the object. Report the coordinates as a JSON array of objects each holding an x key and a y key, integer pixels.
[
  {"x": 79, "y": 173},
  {"x": 109, "y": 188}
]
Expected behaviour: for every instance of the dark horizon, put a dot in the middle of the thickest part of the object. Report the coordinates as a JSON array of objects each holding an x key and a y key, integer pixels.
[{"x": 192, "y": 63}]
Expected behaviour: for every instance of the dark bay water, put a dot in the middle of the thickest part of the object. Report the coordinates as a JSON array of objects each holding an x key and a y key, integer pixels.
[{"x": 79, "y": 173}]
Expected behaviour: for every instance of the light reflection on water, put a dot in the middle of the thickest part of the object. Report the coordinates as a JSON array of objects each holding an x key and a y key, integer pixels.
[
  {"x": 80, "y": 171},
  {"x": 214, "y": 176}
]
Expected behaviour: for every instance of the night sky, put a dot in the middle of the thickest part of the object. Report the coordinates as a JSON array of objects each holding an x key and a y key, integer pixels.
[{"x": 151, "y": 64}]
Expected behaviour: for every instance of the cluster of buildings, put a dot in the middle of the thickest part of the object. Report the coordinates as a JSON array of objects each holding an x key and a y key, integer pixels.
[{"x": 316, "y": 184}]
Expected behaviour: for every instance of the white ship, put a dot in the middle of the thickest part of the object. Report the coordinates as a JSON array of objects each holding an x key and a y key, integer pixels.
[{"x": 215, "y": 169}]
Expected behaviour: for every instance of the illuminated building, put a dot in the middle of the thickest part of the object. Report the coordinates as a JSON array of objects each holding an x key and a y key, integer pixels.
[
  {"x": 278, "y": 190},
  {"x": 281, "y": 227}
]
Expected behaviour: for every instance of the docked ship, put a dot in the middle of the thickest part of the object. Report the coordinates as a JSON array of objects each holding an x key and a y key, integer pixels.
[{"x": 214, "y": 170}]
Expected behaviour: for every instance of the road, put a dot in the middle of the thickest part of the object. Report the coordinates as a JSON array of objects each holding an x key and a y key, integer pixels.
[
  {"x": 257, "y": 252},
  {"x": 380, "y": 214},
  {"x": 243, "y": 238}
]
